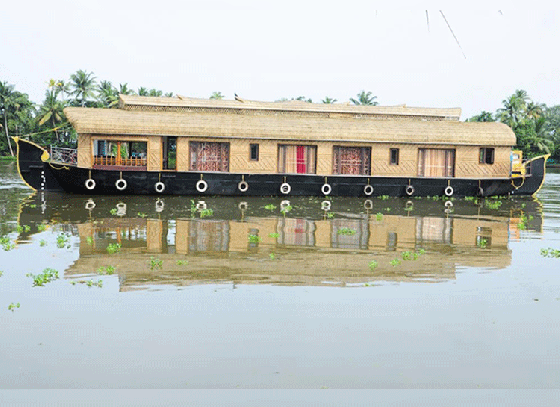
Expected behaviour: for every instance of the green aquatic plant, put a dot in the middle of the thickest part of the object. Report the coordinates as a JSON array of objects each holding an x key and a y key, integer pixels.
[
  {"x": 142, "y": 215},
  {"x": 13, "y": 306},
  {"x": 89, "y": 240},
  {"x": 106, "y": 270},
  {"x": 33, "y": 206},
  {"x": 23, "y": 228},
  {"x": 522, "y": 225},
  {"x": 89, "y": 283},
  {"x": 113, "y": 248},
  {"x": 272, "y": 256},
  {"x": 270, "y": 207},
  {"x": 330, "y": 215},
  {"x": 346, "y": 231},
  {"x": 1, "y": 273},
  {"x": 113, "y": 211},
  {"x": 43, "y": 278},
  {"x": 482, "y": 243},
  {"x": 42, "y": 243},
  {"x": 286, "y": 209},
  {"x": 41, "y": 227},
  {"x": 61, "y": 241},
  {"x": 274, "y": 235},
  {"x": 493, "y": 204},
  {"x": 373, "y": 265},
  {"x": 384, "y": 197},
  {"x": 406, "y": 255},
  {"x": 155, "y": 263},
  {"x": 182, "y": 262},
  {"x": 254, "y": 238},
  {"x": 379, "y": 216},
  {"x": 206, "y": 212},
  {"x": 550, "y": 252},
  {"x": 6, "y": 243},
  {"x": 395, "y": 262}
]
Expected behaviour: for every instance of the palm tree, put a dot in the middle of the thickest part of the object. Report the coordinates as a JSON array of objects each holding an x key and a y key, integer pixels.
[
  {"x": 142, "y": 91},
  {"x": 16, "y": 109},
  {"x": 364, "y": 99},
  {"x": 535, "y": 110},
  {"x": 82, "y": 86},
  {"x": 125, "y": 90},
  {"x": 168, "y": 95},
  {"x": 51, "y": 111},
  {"x": 107, "y": 94},
  {"x": 155, "y": 93},
  {"x": 216, "y": 96},
  {"x": 328, "y": 100}
]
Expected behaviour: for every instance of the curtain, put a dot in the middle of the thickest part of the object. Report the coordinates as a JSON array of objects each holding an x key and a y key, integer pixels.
[
  {"x": 209, "y": 156},
  {"x": 436, "y": 162},
  {"x": 352, "y": 160},
  {"x": 293, "y": 159}
]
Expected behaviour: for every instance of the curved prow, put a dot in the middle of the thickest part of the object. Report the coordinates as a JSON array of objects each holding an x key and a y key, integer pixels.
[
  {"x": 33, "y": 167},
  {"x": 533, "y": 178}
]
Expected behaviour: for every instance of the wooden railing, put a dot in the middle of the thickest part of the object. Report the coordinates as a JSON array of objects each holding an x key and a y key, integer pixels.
[{"x": 117, "y": 161}]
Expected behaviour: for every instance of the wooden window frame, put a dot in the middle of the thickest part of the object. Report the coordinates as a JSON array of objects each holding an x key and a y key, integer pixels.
[
  {"x": 396, "y": 152},
  {"x": 253, "y": 147},
  {"x": 487, "y": 155}
]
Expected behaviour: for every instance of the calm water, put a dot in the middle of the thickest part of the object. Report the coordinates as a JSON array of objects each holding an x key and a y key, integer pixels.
[{"x": 261, "y": 293}]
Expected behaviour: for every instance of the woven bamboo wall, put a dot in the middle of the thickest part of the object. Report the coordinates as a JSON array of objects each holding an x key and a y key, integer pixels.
[
  {"x": 85, "y": 151},
  {"x": 182, "y": 154},
  {"x": 466, "y": 158},
  {"x": 154, "y": 153},
  {"x": 467, "y": 163}
]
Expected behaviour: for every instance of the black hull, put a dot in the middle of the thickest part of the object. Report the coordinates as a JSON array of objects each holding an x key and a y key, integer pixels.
[{"x": 59, "y": 177}]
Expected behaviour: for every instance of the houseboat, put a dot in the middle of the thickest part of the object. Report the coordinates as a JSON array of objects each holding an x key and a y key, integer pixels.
[{"x": 187, "y": 146}]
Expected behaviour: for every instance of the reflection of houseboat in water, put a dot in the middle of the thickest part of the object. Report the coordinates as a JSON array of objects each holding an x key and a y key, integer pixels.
[
  {"x": 249, "y": 242},
  {"x": 182, "y": 146}
]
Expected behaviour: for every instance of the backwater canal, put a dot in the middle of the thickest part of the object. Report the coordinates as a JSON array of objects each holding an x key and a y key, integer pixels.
[{"x": 190, "y": 292}]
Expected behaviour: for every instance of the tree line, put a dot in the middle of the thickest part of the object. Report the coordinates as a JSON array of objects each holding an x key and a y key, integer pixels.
[{"x": 536, "y": 126}]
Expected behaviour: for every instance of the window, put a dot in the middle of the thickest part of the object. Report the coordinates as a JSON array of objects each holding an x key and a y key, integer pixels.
[
  {"x": 120, "y": 153},
  {"x": 486, "y": 156},
  {"x": 433, "y": 162},
  {"x": 293, "y": 159},
  {"x": 209, "y": 156},
  {"x": 394, "y": 156},
  {"x": 254, "y": 152},
  {"x": 352, "y": 160}
]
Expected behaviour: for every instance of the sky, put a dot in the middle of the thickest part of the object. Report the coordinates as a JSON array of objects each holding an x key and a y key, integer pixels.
[{"x": 266, "y": 50}]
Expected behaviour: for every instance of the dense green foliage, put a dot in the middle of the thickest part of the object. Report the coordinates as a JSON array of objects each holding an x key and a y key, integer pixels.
[
  {"x": 46, "y": 123},
  {"x": 536, "y": 126}
]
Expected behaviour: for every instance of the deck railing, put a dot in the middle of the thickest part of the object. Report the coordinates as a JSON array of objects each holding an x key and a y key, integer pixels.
[
  {"x": 64, "y": 155},
  {"x": 127, "y": 162}
]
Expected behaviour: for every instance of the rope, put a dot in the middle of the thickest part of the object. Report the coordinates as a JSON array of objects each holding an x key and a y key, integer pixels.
[
  {"x": 517, "y": 187},
  {"x": 46, "y": 131}
]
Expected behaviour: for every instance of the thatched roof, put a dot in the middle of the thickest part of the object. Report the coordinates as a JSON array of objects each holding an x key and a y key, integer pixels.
[
  {"x": 128, "y": 102},
  {"x": 224, "y": 124}
]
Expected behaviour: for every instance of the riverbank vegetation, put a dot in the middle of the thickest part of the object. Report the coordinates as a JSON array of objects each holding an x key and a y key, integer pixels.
[{"x": 536, "y": 125}]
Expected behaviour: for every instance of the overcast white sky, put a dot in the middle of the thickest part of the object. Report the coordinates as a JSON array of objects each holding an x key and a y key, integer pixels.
[{"x": 267, "y": 50}]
